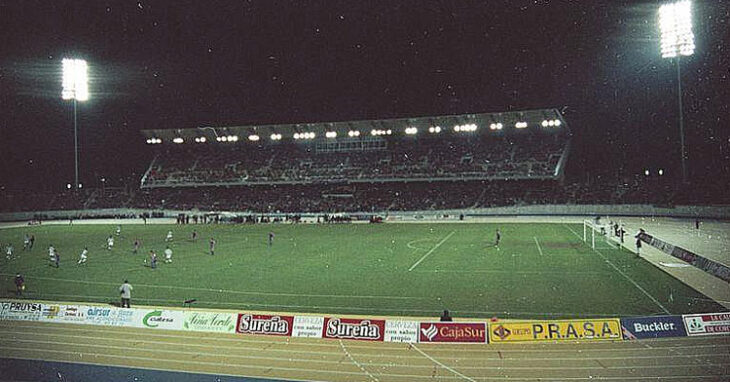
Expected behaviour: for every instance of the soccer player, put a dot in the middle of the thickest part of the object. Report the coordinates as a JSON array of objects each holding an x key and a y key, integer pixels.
[
  {"x": 32, "y": 240},
  {"x": 56, "y": 258},
  {"x": 271, "y": 239},
  {"x": 169, "y": 236},
  {"x": 119, "y": 230},
  {"x": 51, "y": 253},
  {"x": 19, "y": 285},
  {"x": 497, "y": 238},
  {"x": 26, "y": 242},
  {"x": 153, "y": 259},
  {"x": 9, "y": 251},
  {"x": 136, "y": 246},
  {"x": 194, "y": 235},
  {"x": 110, "y": 242},
  {"x": 84, "y": 254},
  {"x": 168, "y": 255},
  {"x": 212, "y": 246}
]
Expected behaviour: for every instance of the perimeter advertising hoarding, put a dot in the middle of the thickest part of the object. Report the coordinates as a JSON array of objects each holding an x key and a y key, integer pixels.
[
  {"x": 707, "y": 324},
  {"x": 353, "y": 329},
  {"x": 401, "y": 331},
  {"x": 652, "y": 327},
  {"x": 308, "y": 326},
  {"x": 555, "y": 330},
  {"x": 22, "y": 311},
  {"x": 274, "y": 325},
  {"x": 452, "y": 332},
  {"x": 158, "y": 319},
  {"x": 209, "y": 322}
]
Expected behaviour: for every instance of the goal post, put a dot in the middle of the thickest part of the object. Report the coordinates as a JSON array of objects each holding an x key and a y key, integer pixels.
[{"x": 596, "y": 232}]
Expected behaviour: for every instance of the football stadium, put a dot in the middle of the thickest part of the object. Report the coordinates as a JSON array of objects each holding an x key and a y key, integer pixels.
[{"x": 151, "y": 234}]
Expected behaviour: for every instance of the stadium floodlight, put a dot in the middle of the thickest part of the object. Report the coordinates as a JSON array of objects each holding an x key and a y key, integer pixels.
[
  {"x": 557, "y": 123},
  {"x": 411, "y": 130},
  {"x": 75, "y": 87},
  {"x": 331, "y": 134},
  {"x": 353, "y": 133},
  {"x": 677, "y": 40},
  {"x": 253, "y": 137},
  {"x": 434, "y": 129},
  {"x": 522, "y": 125},
  {"x": 275, "y": 137},
  {"x": 661, "y": 172},
  {"x": 675, "y": 24},
  {"x": 178, "y": 140}
]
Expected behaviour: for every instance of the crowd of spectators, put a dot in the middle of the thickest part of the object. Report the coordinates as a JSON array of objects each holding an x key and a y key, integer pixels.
[{"x": 402, "y": 158}]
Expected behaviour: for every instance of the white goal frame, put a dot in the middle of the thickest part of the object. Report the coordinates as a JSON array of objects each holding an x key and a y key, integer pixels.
[{"x": 592, "y": 230}]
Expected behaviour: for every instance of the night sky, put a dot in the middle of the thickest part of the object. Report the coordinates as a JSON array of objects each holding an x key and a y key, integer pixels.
[{"x": 183, "y": 64}]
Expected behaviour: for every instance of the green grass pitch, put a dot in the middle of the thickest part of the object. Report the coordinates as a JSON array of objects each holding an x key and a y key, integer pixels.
[{"x": 538, "y": 271}]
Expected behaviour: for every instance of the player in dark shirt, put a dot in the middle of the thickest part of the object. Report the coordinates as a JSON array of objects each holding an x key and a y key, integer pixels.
[
  {"x": 497, "y": 238},
  {"x": 638, "y": 241},
  {"x": 19, "y": 285},
  {"x": 271, "y": 239},
  {"x": 212, "y": 246}
]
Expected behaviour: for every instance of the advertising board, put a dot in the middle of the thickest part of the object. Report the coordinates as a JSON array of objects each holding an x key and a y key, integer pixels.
[
  {"x": 652, "y": 327},
  {"x": 109, "y": 316},
  {"x": 308, "y": 326},
  {"x": 401, "y": 331},
  {"x": 265, "y": 324},
  {"x": 353, "y": 329},
  {"x": 209, "y": 322},
  {"x": 452, "y": 332},
  {"x": 21, "y": 311},
  {"x": 158, "y": 319},
  {"x": 555, "y": 330},
  {"x": 707, "y": 324}
]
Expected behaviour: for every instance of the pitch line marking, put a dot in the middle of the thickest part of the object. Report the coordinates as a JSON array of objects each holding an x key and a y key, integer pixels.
[
  {"x": 441, "y": 364},
  {"x": 659, "y": 304},
  {"x": 538, "y": 245},
  {"x": 347, "y": 353},
  {"x": 431, "y": 250},
  {"x": 228, "y": 290}
]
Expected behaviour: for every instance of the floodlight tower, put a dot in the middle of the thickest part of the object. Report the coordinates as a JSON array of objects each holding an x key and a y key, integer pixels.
[
  {"x": 675, "y": 24},
  {"x": 76, "y": 88}
]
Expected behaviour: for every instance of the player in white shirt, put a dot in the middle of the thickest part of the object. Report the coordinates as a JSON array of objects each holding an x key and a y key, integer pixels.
[
  {"x": 110, "y": 242},
  {"x": 169, "y": 236},
  {"x": 84, "y": 254},
  {"x": 168, "y": 254},
  {"x": 52, "y": 253},
  {"x": 119, "y": 230},
  {"x": 26, "y": 242},
  {"x": 9, "y": 251}
]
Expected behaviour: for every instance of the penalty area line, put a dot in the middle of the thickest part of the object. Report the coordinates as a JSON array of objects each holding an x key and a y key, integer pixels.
[
  {"x": 431, "y": 251},
  {"x": 659, "y": 304}
]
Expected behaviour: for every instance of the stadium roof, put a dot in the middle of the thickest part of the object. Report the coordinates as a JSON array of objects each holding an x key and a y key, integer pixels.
[{"x": 544, "y": 119}]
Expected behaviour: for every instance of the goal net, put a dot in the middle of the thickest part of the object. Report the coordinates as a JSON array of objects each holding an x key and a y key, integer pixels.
[{"x": 602, "y": 233}]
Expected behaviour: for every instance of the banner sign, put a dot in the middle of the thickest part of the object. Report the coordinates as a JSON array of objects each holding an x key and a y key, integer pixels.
[
  {"x": 63, "y": 313},
  {"x": 209, "y": 322},
  {"x": 707, "y": 324},
  {"x": 308, "y": 326},
  {"x": 265, "y": 324},
  {"x": 22, "y": 311},
  {"x": 555, "y": 330},
  {"x": 401, "y": 331},
  {"x": 353, "y": 329},
  {"x": 452, "y": 332},
  {"x": 712, "y": 267},
  {"x": 652, "y": 327},
  {"x": 158, "y": 319},
  {"x": 96, "y": 315}
]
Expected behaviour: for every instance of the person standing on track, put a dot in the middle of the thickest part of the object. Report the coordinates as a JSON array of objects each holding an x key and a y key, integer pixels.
[
  {"x": 126, "y": 291},
  {"x": 638, "y": 241}
]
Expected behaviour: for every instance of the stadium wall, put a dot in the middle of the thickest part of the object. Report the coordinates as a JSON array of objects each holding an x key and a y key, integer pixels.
[{"x": 705, "y": 212}]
